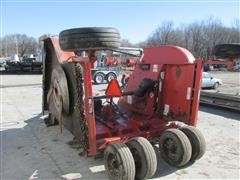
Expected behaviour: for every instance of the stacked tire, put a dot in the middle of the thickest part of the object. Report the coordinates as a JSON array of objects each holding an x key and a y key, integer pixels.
[{"x": 95, "y": 38}]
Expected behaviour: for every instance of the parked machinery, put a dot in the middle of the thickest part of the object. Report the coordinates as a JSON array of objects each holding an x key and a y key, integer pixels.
[
  {"x": 27, "y": 65},
  {"x": 108, "y": 66},
  {"x": 158, "y": 107},
  {"x": 105, "y": 69}
]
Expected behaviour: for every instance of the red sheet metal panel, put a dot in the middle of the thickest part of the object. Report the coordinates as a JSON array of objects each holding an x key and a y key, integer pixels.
[
  {"x": 177, "y": 92},
  {"x": 176, "y": 64},
  {"x": 62, "y": 55},
  {"x": 196, "y": 92},
  {"x": 167, "y": 55}
]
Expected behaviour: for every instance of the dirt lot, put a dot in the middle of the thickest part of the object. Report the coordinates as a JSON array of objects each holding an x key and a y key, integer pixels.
[
  {"x": 29, "y": 150},
  {"x": 230, "y": 80}
]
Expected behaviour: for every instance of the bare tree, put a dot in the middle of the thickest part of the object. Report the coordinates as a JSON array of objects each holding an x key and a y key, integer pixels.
[
  {"x": 18, "y": 44},
  {"x": 162, "y": 35},
  {"x": 126, "y": 43},
  {"x": 235, "y": 31},
  {"x": 199, "y": 37}
]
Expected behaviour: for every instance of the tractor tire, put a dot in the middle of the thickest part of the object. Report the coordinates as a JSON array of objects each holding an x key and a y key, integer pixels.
[
  {"x": 175, "y": 147},
  {"x": 96, "y": 38},
  {"x": 119, "y": 162},
  {"x": 124, "y": 81},
  {"x": 57, "y": 97},
  {"x": 144, "y": 157},
  {"x": 99, "y": 78},
  {"x": 74, "y": 118},
  {"x": 197, "y": 141},
  {"x": 111, "y": 76},
  {"x": 59, "y": 86}
]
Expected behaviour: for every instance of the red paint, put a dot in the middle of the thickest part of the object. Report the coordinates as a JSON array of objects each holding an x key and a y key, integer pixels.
[
  {"x": 113, "y": 89},
  {"x": 89, "y": 107},
  {"x": 61, "y": 55},
  {"x": 228, "y": 62},
  {"x": 173, "y": 97},
  {"x": 130, "y": 62}
]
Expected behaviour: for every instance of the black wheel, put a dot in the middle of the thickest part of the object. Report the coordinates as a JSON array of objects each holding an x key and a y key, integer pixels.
[
  {"x": 59, "y": 88},
  {"x": 175, "y": 148},
  {"x": 89, "y": 38},
  {"x": 197, "y": 141},
  {"x": 111, "y": 76},
  {"x": 99, "y": 78},
  {"x": 119, "y": 162},
  {"x": 124, "y": 80},
  {"x": 58, "y": 96},
  {"x": 144, "y": 157},
  {"x": 216, "y": 85}
]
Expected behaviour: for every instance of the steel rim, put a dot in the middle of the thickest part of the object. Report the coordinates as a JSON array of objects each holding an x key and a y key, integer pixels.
[
  {"x": 171, "y": 150},
  {"x": 99, "y": 79},
  {"x": 113, "y": 165},
  {"x": 110, "y": 77},
  {"x": 137, "y": 158}
]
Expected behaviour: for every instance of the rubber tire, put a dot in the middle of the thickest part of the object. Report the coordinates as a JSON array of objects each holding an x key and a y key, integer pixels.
[
  {"x": 99, "y": 74},
  {"x": 216, "y": 85},
  {"x": 197, "y": 141},
  {"x": 58, "y": 72},
  {"x": 111, "y": 74},
  {"x": 125, "y": 157},
  {"x": 147, "y": 157},
  {"x": 124, "y": 81},
  {"x": 95, "y": 38},
  {"x": 183, "y": 145}
]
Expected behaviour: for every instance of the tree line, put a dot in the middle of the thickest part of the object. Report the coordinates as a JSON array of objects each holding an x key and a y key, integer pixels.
[
  {"x": 199, "y": 38},
  {"x": 20, "y": 44}
]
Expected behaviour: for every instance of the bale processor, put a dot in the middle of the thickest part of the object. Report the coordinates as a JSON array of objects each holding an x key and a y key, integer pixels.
[{"x": 158, "y": 109}]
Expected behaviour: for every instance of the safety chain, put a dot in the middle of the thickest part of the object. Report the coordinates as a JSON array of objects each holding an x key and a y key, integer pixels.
[{"x": 80, "y": 107}]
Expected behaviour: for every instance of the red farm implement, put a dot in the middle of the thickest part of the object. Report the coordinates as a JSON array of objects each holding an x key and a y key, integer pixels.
[{"x": 157, "y": 109}]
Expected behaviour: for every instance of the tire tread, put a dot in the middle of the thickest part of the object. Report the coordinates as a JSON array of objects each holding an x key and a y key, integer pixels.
[
  {"x": 150, "y": 156},
  {"x": 126, "y": 158},
  {"x": 197, "y": 141},
  {"x": 185, "y": 143},
  {"x": 89, "y": 38}
]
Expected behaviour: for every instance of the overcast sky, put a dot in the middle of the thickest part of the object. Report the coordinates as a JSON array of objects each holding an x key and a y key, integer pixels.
[{"x": 135, "y": 19}]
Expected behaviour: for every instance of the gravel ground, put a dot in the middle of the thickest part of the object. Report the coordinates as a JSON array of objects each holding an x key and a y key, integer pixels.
[
  {"x": 29, "y": 150},
  {"x": 230, "y": 80}
]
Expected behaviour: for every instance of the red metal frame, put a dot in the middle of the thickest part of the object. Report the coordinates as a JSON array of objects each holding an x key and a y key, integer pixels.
[
  {"x": 228, "y": 62},
  {"x": 89, "y": 107},
  {"x": 196, "y": 93},
  {"x": 175, "y": 99}
]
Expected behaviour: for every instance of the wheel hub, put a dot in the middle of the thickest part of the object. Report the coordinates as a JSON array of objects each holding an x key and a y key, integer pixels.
[
  {"x": 113, "y": 165},
  {"x": 110, "y": 78},
  {"x": 99, "y": 79},
  {"x": 171, "y": 149},
  {"x": 58, "y": 96}
]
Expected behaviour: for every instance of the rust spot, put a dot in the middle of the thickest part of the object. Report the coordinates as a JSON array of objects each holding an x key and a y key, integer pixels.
[{"x": 178, "y": 71}]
